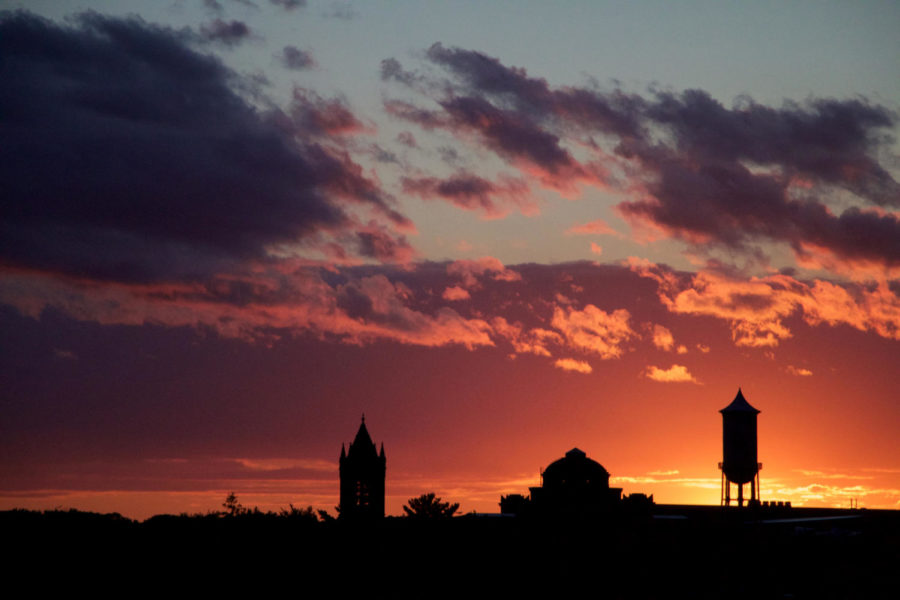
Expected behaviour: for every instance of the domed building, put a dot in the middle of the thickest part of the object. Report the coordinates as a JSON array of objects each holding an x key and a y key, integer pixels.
[{"x": 574, "y": 484}]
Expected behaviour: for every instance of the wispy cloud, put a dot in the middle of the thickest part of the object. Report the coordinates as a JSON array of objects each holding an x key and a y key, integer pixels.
[{"x": 799, "y": 371}]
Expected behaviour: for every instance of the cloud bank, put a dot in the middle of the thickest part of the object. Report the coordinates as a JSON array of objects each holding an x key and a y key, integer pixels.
[
  {"x": 808, "y": 175},
  {"x": 161, "y": 169}
]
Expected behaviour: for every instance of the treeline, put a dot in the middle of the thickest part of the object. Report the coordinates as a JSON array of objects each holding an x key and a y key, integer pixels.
[{"x": 702, "y": 556}]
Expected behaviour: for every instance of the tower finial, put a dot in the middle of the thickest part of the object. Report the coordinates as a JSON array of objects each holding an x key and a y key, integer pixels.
[{"x": 364, "y": 418}]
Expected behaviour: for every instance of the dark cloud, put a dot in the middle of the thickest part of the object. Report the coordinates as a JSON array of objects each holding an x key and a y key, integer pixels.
[
  {"x": 392, "y": 70},
  {"x": 377, "y": 242},
  {"x": 313, "y": 114},
  {"x": 128, "y": 155},
  {"x": 407, "y": 139},
  {"x": 731, "y": 176},
  {"x": 486, "y": 75},
  {"x": 508, "y": 133},
  {"x": 449, "y": 155},
  {"x": 511, "y": 88},
  {"x": 511, "y": 112},
  {"x": 228, "y": 33},
  {"x": 213, "y": 5},
  {"x": 712, "y": 199},
  {"x": 427, "y": 119},
  {"x": 295, "y": 59},
  {"x": 854, "y": 234},
  {"x": 471, "y": 192},
  {"x": 289, "y": 4},
  {"x": 824, "y": 139},
  {"x": 384, "y": 156}
]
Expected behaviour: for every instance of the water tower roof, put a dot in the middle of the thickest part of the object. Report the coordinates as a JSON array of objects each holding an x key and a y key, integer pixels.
[{"x": 739, "y": 404}]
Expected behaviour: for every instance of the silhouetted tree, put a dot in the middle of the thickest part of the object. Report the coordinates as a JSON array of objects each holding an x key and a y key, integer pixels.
[
  {"x": 325, "y": 517},
  {"x": 232, "y": 507},
  {"x": 299, "y": 514},
  {"x": 428, "y": 506}
]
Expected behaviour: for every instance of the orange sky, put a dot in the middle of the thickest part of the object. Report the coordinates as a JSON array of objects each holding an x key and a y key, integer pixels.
[
  {"x": 497, "y": 251},
  {"x": 267, "y": 422}
]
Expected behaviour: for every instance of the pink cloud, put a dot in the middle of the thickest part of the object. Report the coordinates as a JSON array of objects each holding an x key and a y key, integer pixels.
[
  {"x": 358, "y": 311},
  {"x": 594, "y": 330},
  {"x": 570, "y": 364},
  {"x": 799, "y": 371},
  {"x": 662, "y": 338},
  {"x": 674, "y": 374},
  {"x": 533, "y": 341},
  {"x": 596, "y": 227},
  {"x": 470, "y": 270},
  {"x": 315, "y": 114},
  {"x": 757, "y": 308},
  {"x": 455, "y": 293}
]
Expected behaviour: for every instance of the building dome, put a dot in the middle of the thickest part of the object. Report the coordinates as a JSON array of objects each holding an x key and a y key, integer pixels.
[{"x": 575, "y": 470}]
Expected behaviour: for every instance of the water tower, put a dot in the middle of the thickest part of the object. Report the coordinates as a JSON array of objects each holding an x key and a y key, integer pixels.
[{"x": 739, "y": 458}]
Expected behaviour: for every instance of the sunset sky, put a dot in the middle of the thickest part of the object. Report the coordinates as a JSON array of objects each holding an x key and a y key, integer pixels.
[{"x": 499, "y": 229}]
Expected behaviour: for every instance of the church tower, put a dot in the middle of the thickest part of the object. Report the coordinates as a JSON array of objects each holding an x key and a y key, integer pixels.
[{"x": 362, "y": 472}]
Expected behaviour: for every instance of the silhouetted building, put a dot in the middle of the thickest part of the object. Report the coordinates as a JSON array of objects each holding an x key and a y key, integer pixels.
[
  {"x": 574, "y": 485},
  {"x": 362, "y": 472},
  {"x": 739, "y": 458},
  {"x": 514, "y": 504}
]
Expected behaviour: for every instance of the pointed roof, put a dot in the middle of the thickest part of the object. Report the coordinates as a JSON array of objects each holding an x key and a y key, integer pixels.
[
  {"x": 739, "y": 404},
  {"x": 363, "y": 441}
]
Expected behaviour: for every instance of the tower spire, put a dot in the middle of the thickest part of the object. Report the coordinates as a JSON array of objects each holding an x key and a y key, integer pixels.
[{"x": 362, "y": 474}]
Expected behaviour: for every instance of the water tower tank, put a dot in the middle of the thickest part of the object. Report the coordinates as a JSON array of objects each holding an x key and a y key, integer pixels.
[{"x": 739, "y": 457}]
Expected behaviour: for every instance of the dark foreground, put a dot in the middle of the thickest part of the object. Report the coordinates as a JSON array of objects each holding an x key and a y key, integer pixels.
[{"x": 674, "y": 551}]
